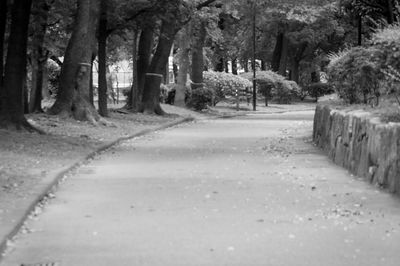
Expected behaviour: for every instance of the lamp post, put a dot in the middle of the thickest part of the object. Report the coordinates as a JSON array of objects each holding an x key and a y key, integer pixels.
[{"x": 254, "y": 58}]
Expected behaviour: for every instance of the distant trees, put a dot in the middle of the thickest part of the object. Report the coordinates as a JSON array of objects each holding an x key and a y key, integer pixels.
[{"x": 291, "y": 37}]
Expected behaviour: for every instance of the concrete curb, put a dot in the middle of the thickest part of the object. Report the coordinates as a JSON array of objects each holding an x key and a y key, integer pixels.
[{"x": 53, "y": 185}]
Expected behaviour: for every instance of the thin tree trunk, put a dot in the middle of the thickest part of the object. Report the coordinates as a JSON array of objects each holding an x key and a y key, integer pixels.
[
  {"x": 73, "y": 97},
  {"x": 263, "y": 65},
  {"x": 295, "y": 72},
  {"x": 197, "y": 55},
  {"x": 40, "y": 12},
  {"x": 359, "y": 30},
  {"x": 234, "y": 66},
  {"x": 246, "y": 65},
  {"x": 390, "y": 11},
  {"x": 134, "y": 99},
  {"x": 12, "y": 108},
  {"x": 102, "y": 78}
]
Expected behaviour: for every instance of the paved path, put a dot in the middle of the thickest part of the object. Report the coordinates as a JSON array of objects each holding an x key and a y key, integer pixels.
[{"x": 243, "y": 191}]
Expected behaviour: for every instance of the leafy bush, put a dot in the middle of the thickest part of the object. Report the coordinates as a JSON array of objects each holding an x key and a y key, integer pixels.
[
  {"x": 387, "y": 41},
  {"x": 201, "y": 98},
  {"x": 225, "y": 84},
  {"x": 273, "y": 85},
  {"x": 355, "y": 74},
  {"x": 318, "y": 89}
]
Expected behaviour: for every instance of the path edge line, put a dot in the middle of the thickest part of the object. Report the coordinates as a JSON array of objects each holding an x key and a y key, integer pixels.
[{"x": 54, "y": 184}]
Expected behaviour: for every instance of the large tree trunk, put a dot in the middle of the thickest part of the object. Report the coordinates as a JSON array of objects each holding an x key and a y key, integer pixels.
[
  {"x": 284, "y": 56},
  {"x": 40, "y": 12},
  {"x": 276, "y": 56},
  {"x": 184, "y": 65},
  {"x": 151, "y": 94},
  {"x": 73, "y": 97},
  {"x": 102, "y": 78},
  {"x": 143, "y": 61},
  {"x": 197, "y": 54},
  {"x": 3, "y": 24},
  {"x": 12, "y": 108}
]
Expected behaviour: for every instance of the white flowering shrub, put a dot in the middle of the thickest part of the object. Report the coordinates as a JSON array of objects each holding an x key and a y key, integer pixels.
[
  {"x": 225, "y": 84},
  {"x": 273, "y": 85}
]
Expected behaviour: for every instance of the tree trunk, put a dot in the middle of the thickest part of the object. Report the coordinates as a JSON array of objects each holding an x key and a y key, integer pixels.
[
  {"x": 73, "y": 96},
  {"x": 3, "y": 24},
  {"x": 12, "y": 107},
  {"x": 197, "y": 54},
  {"x": 102, "y": 78},
  {"x": 295, "y": 71},
  {"x": 40, "y": 12},
  {"x": 134, "y": 94},
  {"x": 182, "y": 77},
  {"x": 151, "y": 95},
  {"x": 246, "y": 65},
  {"x": 284, "y": 56},
  {"x": 234, "y": 66},
  {"x": 263, "y": 65},
  {"x": 390, "y": 12},
  {"x": 143, "y": 62},
  {"x": 276, "y": 56},
  {"x": 359, "y": 30}
]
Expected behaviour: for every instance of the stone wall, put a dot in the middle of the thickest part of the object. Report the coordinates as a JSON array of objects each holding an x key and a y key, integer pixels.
[{"x": 361, "y": 143}]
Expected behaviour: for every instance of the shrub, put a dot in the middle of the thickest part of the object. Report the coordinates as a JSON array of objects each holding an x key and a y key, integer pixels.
[
  {"x": 225, "y": 84},
  {"x": 318, "y": 89},
  {"x": 387, "y": 41},
  {"x": 201, "y": 98},
  {"x": 273, "y": 85},
  {"x": 355, "y": 74}
]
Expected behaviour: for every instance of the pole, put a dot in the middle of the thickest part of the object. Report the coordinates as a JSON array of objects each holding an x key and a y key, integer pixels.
[{"x": 254, "y": 58}]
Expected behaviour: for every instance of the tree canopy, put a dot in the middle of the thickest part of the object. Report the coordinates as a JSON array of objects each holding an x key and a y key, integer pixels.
[{"x": 293, "y": 37}]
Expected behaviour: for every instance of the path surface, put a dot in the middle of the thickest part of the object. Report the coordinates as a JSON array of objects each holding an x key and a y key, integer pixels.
[{"x": 243, "y": 191}]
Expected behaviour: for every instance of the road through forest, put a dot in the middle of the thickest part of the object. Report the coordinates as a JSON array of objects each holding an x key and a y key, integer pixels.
[{"x": 249, "y": 190}]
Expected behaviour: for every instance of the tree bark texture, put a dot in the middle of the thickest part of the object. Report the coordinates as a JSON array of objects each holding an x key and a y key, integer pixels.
[
  {"x": 184, "y": 64},
  {"x": 12, "y": 107},
  {"x": 151, "y": 94},
  {"x": 143, "y": 61},
  {"x": 73, "y": 97},
  {"x": 102, "y": 42},
  {"x": 197, "y": 54},
  {"x": 234, "y": 66},
  {"x": 134, "y": 99},
  {"x": 40, "y": 14}
]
